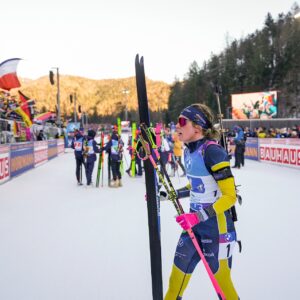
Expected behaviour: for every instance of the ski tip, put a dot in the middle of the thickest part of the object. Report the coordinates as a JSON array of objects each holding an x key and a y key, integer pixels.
[{"x": 137, "y": 58}]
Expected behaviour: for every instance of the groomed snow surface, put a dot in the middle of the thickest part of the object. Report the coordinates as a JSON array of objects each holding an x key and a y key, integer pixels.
[{"x": 64, "y": 242}]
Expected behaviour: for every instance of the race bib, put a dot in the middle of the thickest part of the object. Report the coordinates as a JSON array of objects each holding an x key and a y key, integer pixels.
[
  {"x": 226, "y": 245},
  {"x": 78, "y": 146}
]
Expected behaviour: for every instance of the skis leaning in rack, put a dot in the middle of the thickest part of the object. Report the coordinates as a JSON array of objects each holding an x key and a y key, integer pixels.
[{"x": 151, "y": 188}]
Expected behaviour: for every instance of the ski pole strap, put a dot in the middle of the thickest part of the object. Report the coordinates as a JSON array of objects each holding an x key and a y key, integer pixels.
[
  {"x": 142, "y": 149},
  {"x": 150, "y": 134}
]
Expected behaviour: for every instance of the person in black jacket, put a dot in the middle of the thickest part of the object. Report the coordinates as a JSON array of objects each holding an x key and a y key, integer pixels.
[
  {"x": 239, "y": 142},
  {"x": 90, "y": 150},
  {"x": 41, "y": 136},
  {"x": 77, "y": 145},
  {"x": 115, "y": 148}
]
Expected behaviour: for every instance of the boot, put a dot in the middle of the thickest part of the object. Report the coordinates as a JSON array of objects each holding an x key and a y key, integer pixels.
[
  {"x": 120, "y": 183},
  {"x": 114, "y": 183}
]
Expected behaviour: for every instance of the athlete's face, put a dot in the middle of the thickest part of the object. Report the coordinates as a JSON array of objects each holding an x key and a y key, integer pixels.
[{"x": 187, "y": 131}]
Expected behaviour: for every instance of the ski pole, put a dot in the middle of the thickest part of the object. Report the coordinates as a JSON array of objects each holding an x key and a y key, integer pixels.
[
  {"x": 81, "y": 173},
  {"x": 102, "y": 175},
  {"x": 102, "y": 158},
  {"x": 173, "y": 197}
]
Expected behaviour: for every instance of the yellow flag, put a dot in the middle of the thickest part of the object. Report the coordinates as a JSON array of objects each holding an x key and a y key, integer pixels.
[{"x": 24, "y": 116}]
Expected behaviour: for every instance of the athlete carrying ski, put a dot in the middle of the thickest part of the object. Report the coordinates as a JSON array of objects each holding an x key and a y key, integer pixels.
[
  {"x": 90, "y": 150},
  {"x": 212, "y": 194},
  {"x": 115, "y": 148}
]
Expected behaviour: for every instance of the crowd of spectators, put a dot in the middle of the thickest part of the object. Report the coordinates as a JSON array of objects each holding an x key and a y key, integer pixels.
[
  {"x": 8, "y": 104},
  {"x": 263, "y": 132},
  {"x": 13, "y": 129}
]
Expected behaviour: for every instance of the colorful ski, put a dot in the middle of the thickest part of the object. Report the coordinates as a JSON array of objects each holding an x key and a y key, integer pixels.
[
  {"x": 102, "y": 156},
  {"x": 133, "y": 142},
  {"x": 100, "y": 161},
  {"x": 119, "y": 134}
]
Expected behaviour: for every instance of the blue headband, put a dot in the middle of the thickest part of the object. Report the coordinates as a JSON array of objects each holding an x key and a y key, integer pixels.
[{"x": 196, "y": 116}]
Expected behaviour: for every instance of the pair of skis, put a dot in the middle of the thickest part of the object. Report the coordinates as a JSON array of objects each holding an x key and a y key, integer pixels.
[
  {"x": 151, "y": 188},
  {"x": 150, "y": 165},
  {"x": 100, "y": 163},
  {"x": 133, "y": 146}
]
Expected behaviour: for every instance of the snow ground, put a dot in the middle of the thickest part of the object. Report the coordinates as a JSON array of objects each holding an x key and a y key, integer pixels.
[{"x": 64, "y": 242}]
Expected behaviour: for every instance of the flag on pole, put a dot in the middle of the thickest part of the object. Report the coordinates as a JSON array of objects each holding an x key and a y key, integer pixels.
[
  {"x": 24, "y": 104},
  {"x": 8, "y": 74},
  {"x": 24, "y": 116}
]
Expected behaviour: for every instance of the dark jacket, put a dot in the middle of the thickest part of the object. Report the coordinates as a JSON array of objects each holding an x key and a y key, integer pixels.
[
  {"x": 115, "y": 147},
  {"x": 239, "y": 138},
  {"x": 77, "y": 144},
  {"x": 90, "y": 149},
  {"x": 40, "y": 136}
]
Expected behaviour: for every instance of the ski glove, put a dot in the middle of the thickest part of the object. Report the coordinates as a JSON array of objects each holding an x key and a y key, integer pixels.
[{"x": 187, "y": 221}]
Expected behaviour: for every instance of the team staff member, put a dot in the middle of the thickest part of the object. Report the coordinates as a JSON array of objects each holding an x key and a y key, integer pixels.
[
  {"x": 90, "y": 150},
  {"x": 77, "y": 145},
  {"x": 115, "y": 148},
  {"x": 212, "y": 193}
]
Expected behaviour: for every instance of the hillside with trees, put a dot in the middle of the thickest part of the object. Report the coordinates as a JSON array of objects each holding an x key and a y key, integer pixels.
[
  {"x": 103, "y": 100},
  {"x": 268, "y": 59}
]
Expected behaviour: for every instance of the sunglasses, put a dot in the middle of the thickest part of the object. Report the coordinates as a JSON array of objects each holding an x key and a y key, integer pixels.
[{"x": 182, "y": 121}]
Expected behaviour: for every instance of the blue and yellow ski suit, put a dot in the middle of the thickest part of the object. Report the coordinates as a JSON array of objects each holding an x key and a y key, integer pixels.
[{"x": 211, "y": 186}]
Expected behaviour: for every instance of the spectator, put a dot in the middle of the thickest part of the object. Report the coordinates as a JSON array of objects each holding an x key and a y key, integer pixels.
[
  {"x": 178, "y": 146},
  {"x": 261, "y": 132},
  {"x": 90, "y": 150},
  {"x": 239, "y": 142},
  {"x": 41, "y": 136},
  {"x": 77, "y": 144},
  {"x": 115, "y": 148}
]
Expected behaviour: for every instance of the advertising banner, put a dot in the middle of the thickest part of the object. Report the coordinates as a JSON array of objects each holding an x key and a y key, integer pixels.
[
  {"x": 280, "y": 151},
  {"x": 52, "y": 149},
  {"x": 40, "y": 152},
  {"x": 251, "y": 151},
  {"x": 4, "y": 164},
  {"x": 261, "y": 105},
  {"x": 60, "y": 146},
  {"x": 21, "y": 158}
]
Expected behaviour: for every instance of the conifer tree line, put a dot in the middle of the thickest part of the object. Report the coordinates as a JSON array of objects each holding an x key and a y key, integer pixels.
[{"x": 268, "y": 59}]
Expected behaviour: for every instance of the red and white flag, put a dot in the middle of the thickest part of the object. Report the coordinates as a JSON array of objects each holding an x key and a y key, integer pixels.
[{"x": 8, "y": 74}]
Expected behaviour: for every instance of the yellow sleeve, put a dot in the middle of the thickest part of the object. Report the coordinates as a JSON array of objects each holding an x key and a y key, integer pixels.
[{"x": 227, "y": 188}]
